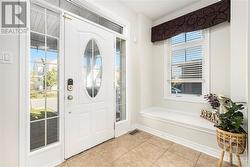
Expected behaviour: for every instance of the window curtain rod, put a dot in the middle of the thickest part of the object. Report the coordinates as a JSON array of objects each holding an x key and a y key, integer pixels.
[{"x": 200, "y": 19}]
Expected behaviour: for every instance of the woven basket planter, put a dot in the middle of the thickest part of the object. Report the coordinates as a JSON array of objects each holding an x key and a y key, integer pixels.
[{"x": 231, "y": 142}]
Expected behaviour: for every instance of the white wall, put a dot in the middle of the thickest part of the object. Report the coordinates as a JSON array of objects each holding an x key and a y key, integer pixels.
[
  {"x": 193, "y": 7},
  {"x": 9, "y": 111},
  {"x": 238, "y": 47},
  {"x": 145, "y": 56}
]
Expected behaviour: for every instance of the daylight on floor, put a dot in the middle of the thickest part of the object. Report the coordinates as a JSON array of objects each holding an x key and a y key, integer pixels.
[{"x": 124, "y": 83}]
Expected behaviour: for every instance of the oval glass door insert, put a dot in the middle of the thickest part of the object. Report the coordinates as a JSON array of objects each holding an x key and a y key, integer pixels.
[{"x": 93, "y": 68}]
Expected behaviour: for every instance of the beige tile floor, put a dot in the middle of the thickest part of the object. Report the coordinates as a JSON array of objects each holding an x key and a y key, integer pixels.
[{"x": 141, "y": 150}]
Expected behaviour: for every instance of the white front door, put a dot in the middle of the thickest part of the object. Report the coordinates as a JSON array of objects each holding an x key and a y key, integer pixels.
[{"x": 89, "y": 86}]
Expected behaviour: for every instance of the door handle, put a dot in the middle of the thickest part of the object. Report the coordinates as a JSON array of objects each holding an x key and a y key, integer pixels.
[{"x": 70, "y": 97}]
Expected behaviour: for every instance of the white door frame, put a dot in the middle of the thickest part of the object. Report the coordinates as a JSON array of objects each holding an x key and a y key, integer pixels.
[
  {"x": 24, "y": 41},
  {"x": 75, "y": 30}
]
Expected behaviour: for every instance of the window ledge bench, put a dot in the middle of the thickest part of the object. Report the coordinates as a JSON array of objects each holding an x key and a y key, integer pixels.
[
  {"x": 181, "y": 127},
  {"x": 179, "y": 118}
]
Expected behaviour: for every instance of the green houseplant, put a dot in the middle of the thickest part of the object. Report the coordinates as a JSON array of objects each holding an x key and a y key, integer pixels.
[
  {"x": 231, "y": 137},
  {"x": 232, "y": 119}
]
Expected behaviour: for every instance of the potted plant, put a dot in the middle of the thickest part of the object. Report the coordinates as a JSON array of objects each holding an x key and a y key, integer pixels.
[{"x": 231, "y": 137}]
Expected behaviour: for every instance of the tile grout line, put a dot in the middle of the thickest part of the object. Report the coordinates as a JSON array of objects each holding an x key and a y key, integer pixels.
[
  {"x": 129, "y": 151},
  {"x": 161, "y": 154},
  {"x": 197, "y": 160}
]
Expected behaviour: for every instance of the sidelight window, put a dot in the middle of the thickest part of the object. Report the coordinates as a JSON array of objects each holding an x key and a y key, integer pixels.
[
  {"x": 120, "y": 79},
  {"x": 44, "y": 91}
]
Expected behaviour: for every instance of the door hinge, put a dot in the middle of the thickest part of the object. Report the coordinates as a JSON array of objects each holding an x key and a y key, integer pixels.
[{"x": 67, "y": 17}]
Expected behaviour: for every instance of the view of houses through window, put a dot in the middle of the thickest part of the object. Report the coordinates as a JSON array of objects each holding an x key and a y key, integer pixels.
[{"x": 44, "y": 52}]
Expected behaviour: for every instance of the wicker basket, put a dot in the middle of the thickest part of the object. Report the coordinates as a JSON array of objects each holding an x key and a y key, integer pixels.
[{"x": 231, "y": 142}]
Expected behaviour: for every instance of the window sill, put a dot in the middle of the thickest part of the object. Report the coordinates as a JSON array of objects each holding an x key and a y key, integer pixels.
[{"x": 186, "y": 98}]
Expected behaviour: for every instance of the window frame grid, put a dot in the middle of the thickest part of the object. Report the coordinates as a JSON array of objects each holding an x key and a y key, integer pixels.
[
  {"x": 168, "y": 48},
  {"x": 46, "y": 63}
]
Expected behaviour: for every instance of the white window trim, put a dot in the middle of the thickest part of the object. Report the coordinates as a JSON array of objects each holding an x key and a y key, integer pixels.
[{"x": 206, "y": 73}]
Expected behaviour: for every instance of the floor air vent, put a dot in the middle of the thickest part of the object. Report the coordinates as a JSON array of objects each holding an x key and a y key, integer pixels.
[{"x": 134, "y": 132}]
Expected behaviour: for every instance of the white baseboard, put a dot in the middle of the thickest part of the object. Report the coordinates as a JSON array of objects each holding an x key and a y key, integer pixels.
[{"x": 179, "y": 140}]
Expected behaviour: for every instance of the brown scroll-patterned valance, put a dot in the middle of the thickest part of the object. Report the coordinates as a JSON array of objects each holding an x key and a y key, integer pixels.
[{"x": 200, "y": 19}]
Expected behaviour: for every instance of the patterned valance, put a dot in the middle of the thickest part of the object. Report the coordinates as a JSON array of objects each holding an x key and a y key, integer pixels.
[{"x": 200, "y": 19}]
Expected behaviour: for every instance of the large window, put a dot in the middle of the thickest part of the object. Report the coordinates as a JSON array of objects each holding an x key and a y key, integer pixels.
[
  {"x": 187, "y": 64},
  {"x": 120, "y": 79},
  {"x": 44, "y": 52}
]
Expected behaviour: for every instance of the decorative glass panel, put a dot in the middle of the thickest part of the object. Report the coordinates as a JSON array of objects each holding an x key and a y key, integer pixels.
[
  {"x": 97, "y": 69},
  {"x": 93, "y": 68},
  {"x": 88, "y": 67}
]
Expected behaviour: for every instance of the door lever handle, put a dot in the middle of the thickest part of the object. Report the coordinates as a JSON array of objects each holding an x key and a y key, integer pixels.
[{"x": 70, "y": 97}]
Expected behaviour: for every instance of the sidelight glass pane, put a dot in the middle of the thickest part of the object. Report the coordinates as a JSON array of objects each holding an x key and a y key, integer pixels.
[
  {"x": 53, "y": 21},
  {"x": 52, "y": 50},
  {"x": 37, "y": 135},
  {"x": 44, "y": 77},
  {"x": 120, "y": 79},
  {"x": 37, "y": 19},
  {"x": 37, "y": 94},
  {"x": 37, "y": 105},
  {"x": 52, "y": 104},
  {"x": 52, "y": 130},
  {"x": 37, "y": 48}
]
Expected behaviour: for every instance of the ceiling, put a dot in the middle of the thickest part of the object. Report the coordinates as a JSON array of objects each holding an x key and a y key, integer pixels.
[{"x": 155, "y": 9}]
